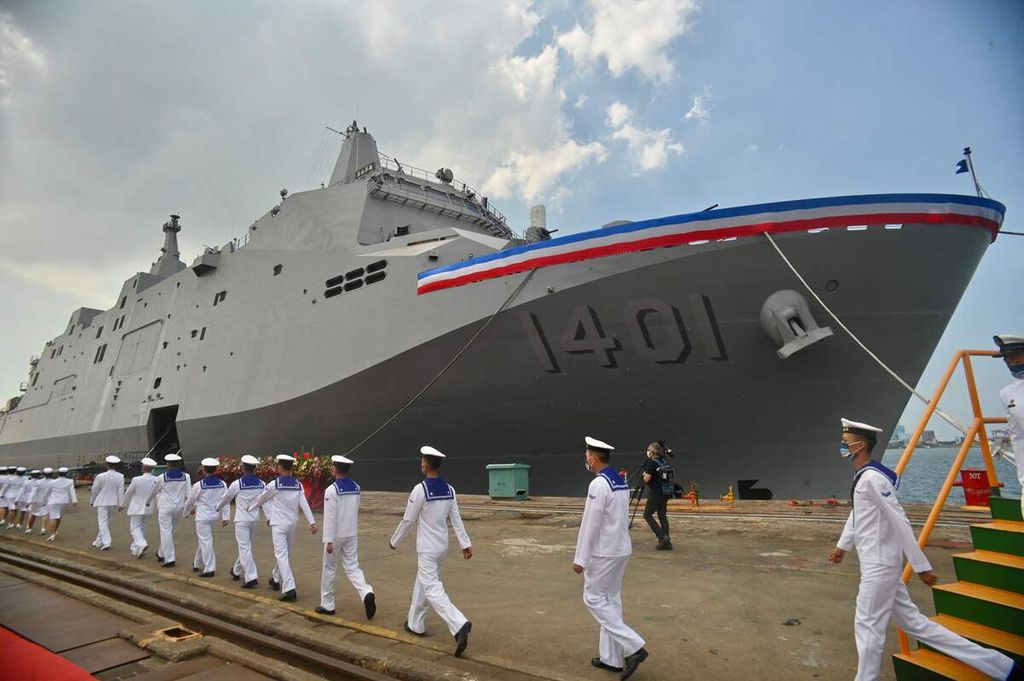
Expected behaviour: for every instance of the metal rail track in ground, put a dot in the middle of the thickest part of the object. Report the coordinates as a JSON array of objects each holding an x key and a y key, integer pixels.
[{"x": 307, "y": 660}]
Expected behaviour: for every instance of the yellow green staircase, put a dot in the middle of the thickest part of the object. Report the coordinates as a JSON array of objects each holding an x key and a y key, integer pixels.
[{"x": 985, "y": 605}]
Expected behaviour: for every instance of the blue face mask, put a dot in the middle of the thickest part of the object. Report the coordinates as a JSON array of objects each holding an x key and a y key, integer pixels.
[
  {"x": 1017, "y": 370},
  {"x": 844, "y": 450}
]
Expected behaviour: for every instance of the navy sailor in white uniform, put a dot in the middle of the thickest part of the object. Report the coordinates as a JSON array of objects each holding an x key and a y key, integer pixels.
[
  {"x": 106, "y": 495},
  {"x": 286, "y": 498},
  {"x": 341, "y": 537},
  {"x": 62, "y": 493},
  {"x": 204, "y": 503},
  {"x": 1011, "y": 349},
  {"x": 170, "y": 492},
  {"x": 602, "y": 552},
  {"x": 244, "y": 491},
  {"x": 879, "y": 529},
  {"x": 431, "y": 506},
  {"x": 137, "y": 501}
]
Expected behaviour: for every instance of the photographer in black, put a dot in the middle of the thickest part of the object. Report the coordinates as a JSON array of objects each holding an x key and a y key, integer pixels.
[{"x": 660, "y": 480}]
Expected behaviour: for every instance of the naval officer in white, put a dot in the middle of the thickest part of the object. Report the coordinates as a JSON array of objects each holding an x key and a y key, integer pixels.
[
  {"x": 1011, "y": 349},
  {"x": 431, "y": 506},
  {"x": 136, "y": 500},
  {"x": 106, "y": 495},
  {"x": 341, "y": 537},
  {"x": 62, "y": 493},
  {"x": 879, "y": 529},
  {"x": 244, "y": 491},
  {"x": 171, "y": 491},
  {"x": 286, "y": 498},
  {"x": 602, "y": 552},
  {"x": 204, "y": 503}
]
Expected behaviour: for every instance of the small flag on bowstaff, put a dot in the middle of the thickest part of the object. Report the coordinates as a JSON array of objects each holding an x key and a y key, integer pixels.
[{"x": 961, "y": 167}]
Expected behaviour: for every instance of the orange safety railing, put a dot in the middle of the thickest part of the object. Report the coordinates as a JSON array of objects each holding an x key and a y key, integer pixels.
[{"x": 976, "y": 431}]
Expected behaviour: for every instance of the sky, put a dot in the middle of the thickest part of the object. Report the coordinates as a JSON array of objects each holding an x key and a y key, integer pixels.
[{"x": 113, "y": 115}]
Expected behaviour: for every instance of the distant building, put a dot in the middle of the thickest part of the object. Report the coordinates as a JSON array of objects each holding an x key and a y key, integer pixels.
[
  {"x": 928, "y": 438},
  {"x": 900, "y": 433}
]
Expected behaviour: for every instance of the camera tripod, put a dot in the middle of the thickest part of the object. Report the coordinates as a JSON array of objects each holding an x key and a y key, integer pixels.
[{"x": 636, "y": 476}]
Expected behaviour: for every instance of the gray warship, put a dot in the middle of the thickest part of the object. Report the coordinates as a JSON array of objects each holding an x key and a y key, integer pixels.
[{"x": 390, "y": 308}]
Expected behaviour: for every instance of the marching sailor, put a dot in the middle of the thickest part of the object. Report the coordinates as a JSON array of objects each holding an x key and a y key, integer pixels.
[
  {"x": 12, "y": 490},
  {"x": 879, "y": 529},
  {"x": 62, "y": 493},
  {"x": 27, "y": 499},
  {"x": 286, "y": 497},
  {"x": 341, "y": 536},
  {"x": 107, "y": 494},
  {"x": 244, "y": 491},
  {"x": 5, "y": 476},
  {"x": 431, "y": 506},
  {"x": 39, "y": 500},
  {"x": 204, "y": 503},
  {"x": 137, "y": 500},
  {"x": 602, "y": 551},
  {"x": 1011, "y": 349},
  {"x": 171, "y": 490}
]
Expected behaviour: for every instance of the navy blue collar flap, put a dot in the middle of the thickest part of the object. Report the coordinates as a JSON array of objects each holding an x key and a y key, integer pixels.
[
  {"x": 889, "y": 473},
  {"x": 175, "y": 474},
  {"x": 211, "y": 482},
  {"x": 250, "y": 482},
  {"x": 346, "y": 486},
  {"x": 615, "y": 480},
  {"x": 437, "y": 489},
  {"x": 287, "y": 482}
]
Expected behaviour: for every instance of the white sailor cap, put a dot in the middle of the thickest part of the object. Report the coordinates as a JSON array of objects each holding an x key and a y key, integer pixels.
[
  {"x": 250, "y": 460},
  {"x": 35, "y": 471},
  {"x": 284, "y": 457},
  {"x": 594, "y": 443},
  {"x": 172, "y": 457},
  {"x": 1009, "y": 345},
  {"x": 62, "y": 469},
  {"x": 20, "y": 469},
  {"x": 427, "y": 450},
  {"x": 209, "y": 461},
  {"x": 47, "y": 470},
  {"x": 338, "y": 458},
  {"x": 148, "y": 462},
  {"x": 859, "y": 428},
  {"x": 112, "y": 459}
]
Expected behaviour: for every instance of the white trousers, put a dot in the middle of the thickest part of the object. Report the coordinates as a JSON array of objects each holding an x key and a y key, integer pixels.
[
  {"x": 348, "y": 548},
  {"x": 428, "y": 590},
  {"x": 206, "y": 559},
  {"x": 245, "y": 564},
  {"x": 168, "y": 520},
  {"x": 53, "y": 511},
  {"x": 602, "y": 594},
  {"x": 282, "y": 536},
  {"x": 882, "y": 592},
  {"x": 137, "y": 527},
  {"x": 103, "y": 514}
]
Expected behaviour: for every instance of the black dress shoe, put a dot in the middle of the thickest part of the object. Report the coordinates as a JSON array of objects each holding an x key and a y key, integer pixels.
[
  {"x": 596, "y": 661},
  {"x": 169, "y": 563},
  {"x": 235, "y": 577},
  {"x": 405, "y": 625},
  {"x": 288, "y": 596},
  {"x": 159, "y": 558},
  {"x": 251, "y": 585},
  {"x": 276, "y": 586},
  {"x": 324, "y": 611},
  {"x": 370, "y": 604},
  {"x": 462, "y": 638},
  {"x": 211, "y": 573},
  {"x": 195, "y": 569},
  {"x": 631, "y": 662}
]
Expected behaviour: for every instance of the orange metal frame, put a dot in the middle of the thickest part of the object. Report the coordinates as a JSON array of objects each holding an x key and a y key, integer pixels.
[{"x": 975, "y": 432}]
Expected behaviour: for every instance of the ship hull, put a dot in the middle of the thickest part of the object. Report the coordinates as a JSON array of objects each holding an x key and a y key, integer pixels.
[{"x": 668, "y": 348}]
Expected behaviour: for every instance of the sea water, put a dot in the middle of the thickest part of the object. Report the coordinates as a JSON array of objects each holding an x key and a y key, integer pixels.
[{"x": 926, "y": 471}]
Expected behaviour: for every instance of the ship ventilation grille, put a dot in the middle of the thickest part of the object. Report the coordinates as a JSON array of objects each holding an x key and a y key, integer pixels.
[{"x": 787, "y": 319}]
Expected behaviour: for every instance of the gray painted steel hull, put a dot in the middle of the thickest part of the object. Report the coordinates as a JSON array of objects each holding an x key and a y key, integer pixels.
[{"x": 697, "y": 370}]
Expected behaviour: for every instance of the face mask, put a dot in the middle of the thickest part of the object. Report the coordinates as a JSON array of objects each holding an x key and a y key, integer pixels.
[
  {"x": 586, "y": 464},
  {"x": 845, "y": 451},
  {"x": 1017, "y": 370}
]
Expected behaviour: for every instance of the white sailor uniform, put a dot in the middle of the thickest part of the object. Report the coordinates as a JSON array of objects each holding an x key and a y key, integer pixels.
[
  {"x": 12, "y": 490},
  {"x": 341, "y": 528},
  {"x": 41, "y": 496},
  {"x": 28, "y": 494},
  {"x": 602, "y": 550},
  {"x": 244, "y": 491},
  {"x": 432, "y": 504},
  {"x": 171, "y": 491},
  {"x": 204, "y": 499},
  {"x": 878, "y": 527},
  {"x": 5, "y": 478},
  {"x": 286, "y": 497},
  {"x": 139, "y": 508},
  {"x": 62, "y": 493},
  {"x": 1012, "y": 397},
  {"x": 106, "y": 495}
]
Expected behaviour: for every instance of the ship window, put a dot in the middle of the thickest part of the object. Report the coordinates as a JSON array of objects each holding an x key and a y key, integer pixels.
[
  {"x": 219, "y": 297},
  {"x": 60, "y": 351},
  {"x": 100, "y": 352},
  {"x": 277, "y": 269},
  {"x": 374, "y": 278},
  {"x": 99, "y": 332},
  {"x": 331, "y": 292},
  {"x": 202, "y": 334},
  {"x": 53, "y": 353},
  {"x": 352, "y": 285},
  {"x": 195, "y": 332},
  {"x": 354, "y": 274},
  {"x": 165, "y": 345},
  {"x": 35, "y": 377},
  {"x": 334, "y": 281},
  {"x": 123, "y": 301},
  {"x": 156, "y": 383},
  {"x": 403, "y": 230},
  {"x": 379, "y": 265}
]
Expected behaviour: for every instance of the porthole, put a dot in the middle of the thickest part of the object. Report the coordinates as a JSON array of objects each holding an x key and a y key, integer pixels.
[
  {"x": 352, "y": 285},
  {"x": 375, "y": 277}
]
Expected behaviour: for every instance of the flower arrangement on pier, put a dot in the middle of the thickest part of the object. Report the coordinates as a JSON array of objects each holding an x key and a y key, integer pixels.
[{"x": 315, "y": 472}]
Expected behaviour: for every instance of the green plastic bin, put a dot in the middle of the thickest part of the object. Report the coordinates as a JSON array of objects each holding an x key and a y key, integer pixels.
[{"x": 509, "y": 480}]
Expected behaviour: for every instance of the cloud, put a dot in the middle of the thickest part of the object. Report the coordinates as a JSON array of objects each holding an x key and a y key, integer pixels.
[
  {"x": 580, "y": 101},
  {"x": 650, "y": 148},
  {"x": 18, "y": 56},
  {"x": 533, "y": 174},
  {"x": 699, "y": 111},
  {"x": 630, "y": 35}
]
